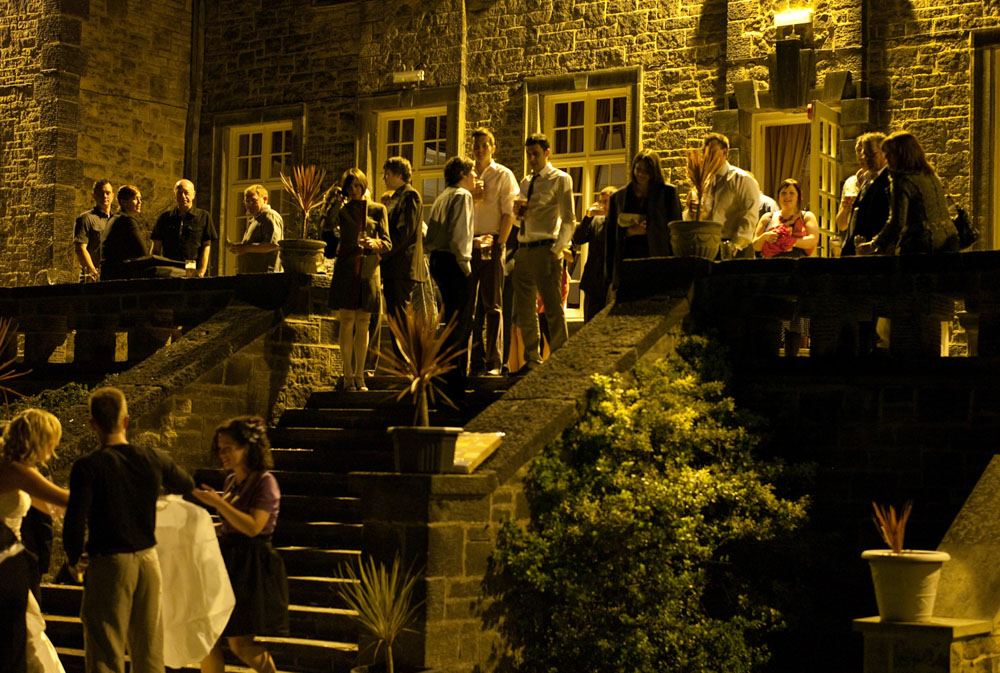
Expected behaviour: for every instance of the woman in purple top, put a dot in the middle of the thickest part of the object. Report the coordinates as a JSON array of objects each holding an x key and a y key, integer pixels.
[{"x": 248, "y": 507}]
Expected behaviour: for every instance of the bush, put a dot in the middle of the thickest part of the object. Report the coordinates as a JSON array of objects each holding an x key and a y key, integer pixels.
[{"x": 637, "y": 515}]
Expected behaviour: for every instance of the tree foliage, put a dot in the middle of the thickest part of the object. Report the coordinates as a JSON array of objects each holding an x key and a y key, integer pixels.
[{"x": 638, "y": 516}]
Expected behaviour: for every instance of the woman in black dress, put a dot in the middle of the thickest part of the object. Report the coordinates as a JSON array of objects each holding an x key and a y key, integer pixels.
[
  {"x": 361, "y": 229},
  {"x": 639, "y": 214}
]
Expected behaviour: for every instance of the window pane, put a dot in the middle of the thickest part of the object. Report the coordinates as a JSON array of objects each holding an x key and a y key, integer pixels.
[
  {"x": 241, "y": 217},
  {"x": 254, "y": 168},
  {"x": 561, "y": 114},
  {"x": 576, "y": 173},
  {"x": 276, "y": 141},
  {"x": 244, "y": 144},
  {"x": 242, "y": 169},
  {"x": 618, "y": 112},
  {"x": 602, "y": 135},
  {"x": 393, "y": 132},
  {"x": 407, "y": 130},
  {"x": 619, "y": 175},
  {"x": 603, "y": 115},
  {"x": 279, "y": 163},
  {"x": 443, "y": 127},
  {"x": 576, "y": 140},
  {"x": 256, "y": 140},
  {"x": 430, "y": 128},
  {"x": 618, "y": 136},
  {"x": 561, "y": 144},
  {"x": 576, "y": 113}
]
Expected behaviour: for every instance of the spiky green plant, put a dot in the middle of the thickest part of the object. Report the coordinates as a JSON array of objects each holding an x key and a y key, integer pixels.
[
  {"x": 304, "y": 187},
  {"x": 423, "y": 359},
  {"x": 892, "y": 527},
  {"x": 383, "y": 600},
  {"x": 8, "y": 341}
]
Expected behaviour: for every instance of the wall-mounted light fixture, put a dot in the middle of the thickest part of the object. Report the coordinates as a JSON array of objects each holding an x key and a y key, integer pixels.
[
  {"x": 794, "y": 22},
  {"x": 408, "y": 77}
]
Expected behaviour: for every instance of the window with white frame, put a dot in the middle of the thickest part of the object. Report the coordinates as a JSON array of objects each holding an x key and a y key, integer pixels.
[
  {"x": 421, "y": 136},
  {"x": 589, "y": 136},
  {"x": 255, "y": 154}
]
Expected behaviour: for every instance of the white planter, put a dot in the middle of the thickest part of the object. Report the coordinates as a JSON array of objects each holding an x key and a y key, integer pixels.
[{"x": 905, "y": 583}]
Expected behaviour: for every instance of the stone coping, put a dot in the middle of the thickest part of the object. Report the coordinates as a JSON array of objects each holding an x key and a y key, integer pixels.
[
  {"x": 472, "y": 448},
  {"x": 938, "y": 626}
]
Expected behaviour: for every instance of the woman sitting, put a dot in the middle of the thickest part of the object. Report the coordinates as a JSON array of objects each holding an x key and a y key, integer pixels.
[
  {"x": 791, "y": 232},
  {"x": 638, "y": 216},
  {"x": 918, "y": 211}
]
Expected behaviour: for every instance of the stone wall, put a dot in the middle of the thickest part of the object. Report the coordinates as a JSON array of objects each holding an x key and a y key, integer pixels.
[
  {"x": 133, "y": 99},
  {"x": 26, "y": 201}
]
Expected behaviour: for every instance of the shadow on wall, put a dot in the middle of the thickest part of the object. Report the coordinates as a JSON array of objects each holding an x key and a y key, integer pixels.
[{"x": 712, "y": 32}]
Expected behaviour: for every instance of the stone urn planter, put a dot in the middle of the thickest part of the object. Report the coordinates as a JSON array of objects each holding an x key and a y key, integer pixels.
[
  {"x": 905, "y": 582},
  {"x": 302, "y": 255},
  {"x": 695, "y": 238},
  {"x": 423, "y": 449}
]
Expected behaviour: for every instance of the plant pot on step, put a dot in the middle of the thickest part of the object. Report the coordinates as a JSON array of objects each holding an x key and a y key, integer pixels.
[
  {"x": 423, "y": 449},
  {"x": 302, "y": 255},
  {"x": 695, "y": 238},
  {"x": 905, "y": 582}
]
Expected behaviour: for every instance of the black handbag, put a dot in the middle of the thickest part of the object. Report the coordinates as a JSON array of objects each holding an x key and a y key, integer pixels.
[{"x": 967, "y": 233}]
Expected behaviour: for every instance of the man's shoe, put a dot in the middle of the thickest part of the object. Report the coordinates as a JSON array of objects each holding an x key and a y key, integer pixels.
[{"x": 493, "y": 372}]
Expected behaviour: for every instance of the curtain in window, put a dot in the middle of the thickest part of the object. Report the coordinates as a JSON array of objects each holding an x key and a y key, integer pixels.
[{"x": 787, "y": 157}]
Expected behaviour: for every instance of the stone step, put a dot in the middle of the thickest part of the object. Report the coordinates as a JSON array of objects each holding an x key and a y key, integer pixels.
[
  {"x": 331, "y": 440},
  {"x": 317, "y": 533},
  {"x": 333, "y": 399},
  {"x": 315, "y": 562},
  {"x": 323, "y": 591},
  {"x": 343, "y": 461},
  {"x": 291, "y": 482},
  {"x": 364, "y": 418}
]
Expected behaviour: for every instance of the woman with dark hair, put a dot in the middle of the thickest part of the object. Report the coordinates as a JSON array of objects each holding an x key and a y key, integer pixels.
[
  {"x": 121, "y": 240},
  {"x": 248, "y": 508},
  {"x": 361, "y": 228},
  {"x": 918, "y": 211},
  {"x": 791, "y": 232},
  {"x": 638, "y": 216}
]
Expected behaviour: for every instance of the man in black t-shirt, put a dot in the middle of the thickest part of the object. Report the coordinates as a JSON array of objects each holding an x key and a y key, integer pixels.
[{"x": 185, "y": 233}]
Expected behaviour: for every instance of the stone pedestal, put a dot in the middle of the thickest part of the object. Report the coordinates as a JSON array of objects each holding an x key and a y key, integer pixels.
[{"x": 940, "y": 646}]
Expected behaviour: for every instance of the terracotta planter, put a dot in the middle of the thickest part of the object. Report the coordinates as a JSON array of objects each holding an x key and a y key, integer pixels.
[
  {"x": 905, "y": 583},
  {"x": 418, "y": 449},
  {"x": 302, "y": 255},
  {"x": 695, "y": 238}
]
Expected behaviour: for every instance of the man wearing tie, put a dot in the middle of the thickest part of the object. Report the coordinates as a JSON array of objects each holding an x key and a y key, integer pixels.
[
  {"x": 733, "y": 200},
  {"x": 545, "y": 203}
]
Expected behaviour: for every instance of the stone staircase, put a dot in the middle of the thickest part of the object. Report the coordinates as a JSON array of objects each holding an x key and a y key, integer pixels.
[{"x": 319, "y": 527}]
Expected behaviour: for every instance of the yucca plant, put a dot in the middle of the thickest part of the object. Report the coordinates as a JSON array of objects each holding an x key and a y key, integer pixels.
[
  {"x": 8, "y": 341},
  {"x": 702, "y": 165},
  {"x": 383, "y": 600},
  {"x": 304, "y": 187},
  {"x": 890, "y": 526},
  {"x": 423, "y": 359}
]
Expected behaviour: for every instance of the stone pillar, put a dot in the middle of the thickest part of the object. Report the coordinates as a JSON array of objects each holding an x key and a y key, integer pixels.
[
  {"x": 43, "y": 334},
  {"x": 96, "y": 338},
  {"x": 941, "y": 645},
  {"x": 147, "y": 337}
]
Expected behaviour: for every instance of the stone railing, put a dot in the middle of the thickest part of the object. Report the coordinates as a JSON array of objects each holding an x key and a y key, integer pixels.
[{"x": 842, "y": 299}]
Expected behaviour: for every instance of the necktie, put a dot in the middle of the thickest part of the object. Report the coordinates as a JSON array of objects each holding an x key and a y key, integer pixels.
[{"x": 531, "y": 185}]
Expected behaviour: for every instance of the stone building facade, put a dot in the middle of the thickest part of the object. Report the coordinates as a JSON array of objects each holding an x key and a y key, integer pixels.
[{"x": 229, "y": 92}]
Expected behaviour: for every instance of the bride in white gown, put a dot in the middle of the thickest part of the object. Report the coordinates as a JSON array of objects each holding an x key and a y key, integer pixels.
[{"x": 29, "y": 440}]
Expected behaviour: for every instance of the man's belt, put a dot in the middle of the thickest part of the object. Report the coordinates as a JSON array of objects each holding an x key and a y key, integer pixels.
[{"x": 535, "y": 244}]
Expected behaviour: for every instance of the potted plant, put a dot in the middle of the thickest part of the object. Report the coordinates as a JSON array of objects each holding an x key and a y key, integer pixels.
[
  {"x": 422, "y": 360},
  {"x": 299, "y": 253},
  {"x": 699, "y": 236},
  {"x": 382, "y": 599},
  {"x": 905, "y": 580}
]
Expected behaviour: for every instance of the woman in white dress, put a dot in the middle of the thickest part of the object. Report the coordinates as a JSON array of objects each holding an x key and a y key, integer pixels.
[{"x": 29, "y": 440}]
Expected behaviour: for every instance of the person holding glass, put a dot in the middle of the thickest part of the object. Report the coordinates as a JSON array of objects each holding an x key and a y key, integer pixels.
[
  {"x": 361, "y": 229},
  {"x": 791, "y": 232},
  {"x": 639, "y": 215}
]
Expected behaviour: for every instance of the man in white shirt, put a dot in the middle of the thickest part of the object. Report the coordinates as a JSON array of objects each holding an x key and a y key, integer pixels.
[
  {"x": 258, "y": 251},
  {"x": 449, "y": 242},
  {"x": 734, "y": 200},
  {"x": 493, "y": 195},
  {"x": 545, "y": 203}
]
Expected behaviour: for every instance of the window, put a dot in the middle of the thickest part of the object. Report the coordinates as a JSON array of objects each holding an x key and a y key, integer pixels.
[
  {"x": 589, "y": 137},
  {"x": 421, "y": 136},
  {"x": 257, "y": 154}
]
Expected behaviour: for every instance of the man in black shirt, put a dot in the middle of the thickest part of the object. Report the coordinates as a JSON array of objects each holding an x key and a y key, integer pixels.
[
  {"x": 113, "y": 499},
  {"x": 87, "y": 232},
  {"x": 185, "y": 233}
]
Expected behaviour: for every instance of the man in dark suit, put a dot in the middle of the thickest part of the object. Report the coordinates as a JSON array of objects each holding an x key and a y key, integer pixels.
[
  {"x": 402, "y": 267},
  {"x": 593, "y": 282},
  {"x": 865, "y": 214}
]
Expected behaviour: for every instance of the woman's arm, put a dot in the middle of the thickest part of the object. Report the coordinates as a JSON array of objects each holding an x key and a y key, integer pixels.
[
  {"x": 249, "y": 524},
  {"x": 811, "y": 239},
  {"x": 899, "y": 205},
  {"x": 31, "y": 481},
  {"x": 761, "y": 235}
]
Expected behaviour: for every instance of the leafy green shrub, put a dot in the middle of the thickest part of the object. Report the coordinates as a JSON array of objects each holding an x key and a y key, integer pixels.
[{"x": 638, "y": 514}]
